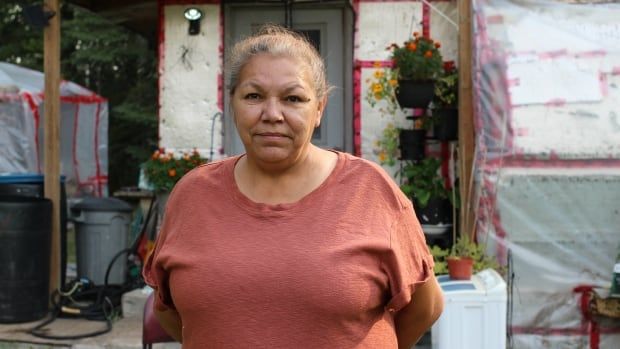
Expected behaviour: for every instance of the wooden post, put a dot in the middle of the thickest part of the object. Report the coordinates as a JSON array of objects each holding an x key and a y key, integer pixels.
[
  {"x": 466, "y": 124},
  {"x": 51, "y": 151}
]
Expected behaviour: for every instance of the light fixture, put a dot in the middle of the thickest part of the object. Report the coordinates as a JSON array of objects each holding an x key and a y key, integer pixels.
[{"x": 193, "y": 15}]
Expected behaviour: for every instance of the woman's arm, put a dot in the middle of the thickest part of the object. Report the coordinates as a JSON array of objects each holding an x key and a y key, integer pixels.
[
  {"x": 170, "y": 321},
  {"x": 418, "y": 316}
]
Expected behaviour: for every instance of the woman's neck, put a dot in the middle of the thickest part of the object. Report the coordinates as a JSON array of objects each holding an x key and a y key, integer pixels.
[{"x": 277, "y": 185}]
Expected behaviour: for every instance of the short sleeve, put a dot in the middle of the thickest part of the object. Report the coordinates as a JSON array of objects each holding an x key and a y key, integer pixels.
[
  {"x": 154, "y": 271},
  {"x": 409, "y": 262}
]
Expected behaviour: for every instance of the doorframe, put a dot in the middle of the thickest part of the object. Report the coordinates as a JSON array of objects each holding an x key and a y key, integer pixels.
[{"x": 348, "y": 23}]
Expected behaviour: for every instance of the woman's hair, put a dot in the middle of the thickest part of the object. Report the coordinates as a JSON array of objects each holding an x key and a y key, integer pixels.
[{"x": 276, "y": 40}]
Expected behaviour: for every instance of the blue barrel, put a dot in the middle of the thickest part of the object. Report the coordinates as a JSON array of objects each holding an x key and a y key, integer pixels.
[
  {"x": 25, "y": 249},
  {"x": 32, "y": 185}
]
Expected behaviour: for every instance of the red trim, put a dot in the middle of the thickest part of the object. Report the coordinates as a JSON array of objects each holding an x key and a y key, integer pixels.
[
  {"x": 357, "y": 82},
  {"x": 520, "y": 162},
  {"x": 98, "y": 165},
  {"x": 91, "y": 99},
  {"x": 74, "y": 145},
  {"x": 160, "y": 64},
  {"x": 37, "y": 119},
  {"x": 220, "y": 76},
  {"x": 426, "y": 20}
]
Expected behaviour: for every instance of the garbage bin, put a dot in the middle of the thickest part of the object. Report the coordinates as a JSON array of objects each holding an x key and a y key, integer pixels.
[
  {"x": 25, "y": 248},
  {"x": 101, "y": 232},
  {"x": 32, "y": 185},
  {"x": 474, "y": 315}
]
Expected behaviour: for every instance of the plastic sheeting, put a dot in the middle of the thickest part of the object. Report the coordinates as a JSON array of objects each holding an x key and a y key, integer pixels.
[
  {"x": 83, "y": 130},
  {"x": 547, "y": 162}
]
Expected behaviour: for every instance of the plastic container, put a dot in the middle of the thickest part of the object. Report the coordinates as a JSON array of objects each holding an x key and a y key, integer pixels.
[
  {"x": 102, "y": 231},
  {"x": 25, "y": 248},
  {"x": 32, "y": 185},
  {"x": 474, "y": 315}
]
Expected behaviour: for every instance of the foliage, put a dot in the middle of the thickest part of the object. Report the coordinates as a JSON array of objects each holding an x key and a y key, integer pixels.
[
  {"x": 446, "y": 87},
  {"x": 387, "y": 145},
  {"x": 106, "y": 58},
  {"x": 418, "y": 59},
  {"x": 463, "y": 247},
  {"x": 163, "y": 170},
  {"x": 422, "y": 181},
  {"x": 381, "y": 88}
]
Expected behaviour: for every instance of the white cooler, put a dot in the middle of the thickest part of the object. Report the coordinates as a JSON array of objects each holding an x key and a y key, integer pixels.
[{"x": 474, "y": 315}]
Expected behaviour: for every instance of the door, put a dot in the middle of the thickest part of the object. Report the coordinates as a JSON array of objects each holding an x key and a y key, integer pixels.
[{"x": 319, "y": 25}]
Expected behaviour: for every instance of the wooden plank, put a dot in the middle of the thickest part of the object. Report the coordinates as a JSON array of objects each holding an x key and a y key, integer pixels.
[
  {"x": 51, "y": 50},
  {"x": 466, "y": 124}
]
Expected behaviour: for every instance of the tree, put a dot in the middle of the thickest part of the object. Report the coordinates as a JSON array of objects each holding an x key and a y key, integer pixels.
[{"x": 106, "y": 58}]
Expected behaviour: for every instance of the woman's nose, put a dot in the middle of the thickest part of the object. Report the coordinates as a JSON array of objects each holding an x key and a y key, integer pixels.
[{"x": 272, "y": 110}]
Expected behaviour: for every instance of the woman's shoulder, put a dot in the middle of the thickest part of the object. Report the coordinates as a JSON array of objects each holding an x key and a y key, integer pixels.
[
  {"x": 364, "y": 173},
  {"x": 211, "y": 174}
]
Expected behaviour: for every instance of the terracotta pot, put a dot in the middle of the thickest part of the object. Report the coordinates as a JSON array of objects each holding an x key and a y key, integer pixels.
[{"x": 460, "y": 268}]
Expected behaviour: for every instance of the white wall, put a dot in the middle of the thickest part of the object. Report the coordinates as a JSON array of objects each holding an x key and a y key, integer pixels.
[{"x": 189, "y": 81}]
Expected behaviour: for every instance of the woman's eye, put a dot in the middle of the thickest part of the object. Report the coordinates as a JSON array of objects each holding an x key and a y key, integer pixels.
[
  {"x": 294, "y": 99},
  {"x": 252, "y": 96}
]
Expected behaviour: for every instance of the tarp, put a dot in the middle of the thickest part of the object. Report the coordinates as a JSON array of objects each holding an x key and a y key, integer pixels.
[
  {"x": 547, "y": 162},
  {"x": 83, "y": 130}
]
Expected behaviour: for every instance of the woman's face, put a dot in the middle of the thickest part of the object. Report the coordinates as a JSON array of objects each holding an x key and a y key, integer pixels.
[{"x": 275, "y": 109}]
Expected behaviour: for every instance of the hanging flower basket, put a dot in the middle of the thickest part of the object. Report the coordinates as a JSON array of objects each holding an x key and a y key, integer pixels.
[{"x": 415, "y": 93}]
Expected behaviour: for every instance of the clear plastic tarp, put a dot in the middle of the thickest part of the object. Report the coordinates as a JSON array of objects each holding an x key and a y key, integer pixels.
[
  {"x": 547, "y": 162},
  {"x": 83, "y": 130}
]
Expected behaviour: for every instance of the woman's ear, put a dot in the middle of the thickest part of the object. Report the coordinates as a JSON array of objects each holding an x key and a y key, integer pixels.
[{"x": 320, "y": 110}]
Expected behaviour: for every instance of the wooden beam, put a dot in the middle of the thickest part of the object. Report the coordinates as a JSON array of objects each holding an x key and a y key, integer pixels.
[
  {"x": 466, "y": 120},
  {"x": 51, "y": 135}
]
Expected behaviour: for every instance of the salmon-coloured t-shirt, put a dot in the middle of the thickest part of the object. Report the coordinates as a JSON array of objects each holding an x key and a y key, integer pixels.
[{"x": 329, "y": 271}]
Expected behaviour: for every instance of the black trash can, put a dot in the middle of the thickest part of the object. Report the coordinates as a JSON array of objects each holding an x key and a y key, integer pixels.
[
  {"x": 25, "y": 248},
  {"x": 32, "y": 185}
]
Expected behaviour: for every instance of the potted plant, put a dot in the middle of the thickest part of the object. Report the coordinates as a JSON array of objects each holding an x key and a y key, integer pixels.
[
  {"x": 444, "y": 106},
  {"x": 426, "y": 188},
  {"x": 418, "y": 63},
  {"x": 464, "y": 258},
  {"x": 401, "y": 144},
  {"x": 410, "y": 83},
  {"x": 163, "y": 170}
]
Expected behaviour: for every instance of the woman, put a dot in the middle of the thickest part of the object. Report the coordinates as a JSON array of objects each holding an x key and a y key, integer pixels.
[{"x": 289, "y": 245}]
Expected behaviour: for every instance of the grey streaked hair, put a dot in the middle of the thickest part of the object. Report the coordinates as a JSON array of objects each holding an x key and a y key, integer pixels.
[{"x": 277, "y": 40}]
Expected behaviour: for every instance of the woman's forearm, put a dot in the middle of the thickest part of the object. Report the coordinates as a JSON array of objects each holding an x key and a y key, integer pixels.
[
  {"x": 418, "y": 316},
  {"x": 170, "y": 321}
]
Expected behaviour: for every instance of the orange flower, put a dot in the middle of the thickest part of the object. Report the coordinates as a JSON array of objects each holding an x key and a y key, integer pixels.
[
  {"x": 377, "y": 87},
  {"x": 172, "y": 172},
  {"x": 377, "y": 64},
  {"x": 382, "y": 156},
  {"x": 379, "y": 74},
  {"x": 437, "y": 45},
  {"x": 412, "y": 46},
  {"x": 428, "y": 54},
  {"x": 393, "y": 82}
]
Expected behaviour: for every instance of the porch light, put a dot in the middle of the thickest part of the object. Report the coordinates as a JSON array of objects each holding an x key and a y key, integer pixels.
[{"x": 193, "y": 15}]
